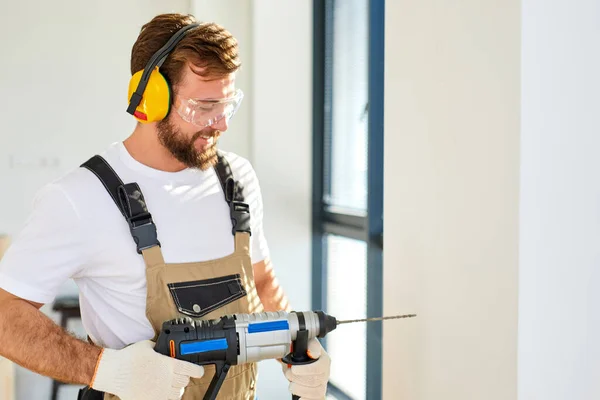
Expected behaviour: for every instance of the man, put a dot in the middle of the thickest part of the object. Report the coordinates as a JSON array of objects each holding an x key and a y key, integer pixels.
[{"x": 149, "y": 231}]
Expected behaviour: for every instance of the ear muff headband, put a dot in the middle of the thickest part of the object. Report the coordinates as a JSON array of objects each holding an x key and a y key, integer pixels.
[{"x": 156, "y": 61}]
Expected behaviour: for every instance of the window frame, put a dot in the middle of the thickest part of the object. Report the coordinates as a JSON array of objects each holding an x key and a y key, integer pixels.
[{"x": 366, "y": 226}]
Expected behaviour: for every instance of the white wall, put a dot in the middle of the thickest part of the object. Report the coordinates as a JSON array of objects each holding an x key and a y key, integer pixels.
[
  {"x": 559, "y": 269},
  {"x": 282, "y": 137},
  {"x": 451, "y": 199},
  {"x": 63, "y": 84}
]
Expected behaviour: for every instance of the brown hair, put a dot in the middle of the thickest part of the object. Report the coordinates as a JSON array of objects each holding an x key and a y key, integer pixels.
[{"x": 209, "y": 47}]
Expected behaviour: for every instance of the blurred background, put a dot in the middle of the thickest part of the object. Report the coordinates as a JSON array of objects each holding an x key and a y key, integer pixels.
[{"x": 427, "y": 156}]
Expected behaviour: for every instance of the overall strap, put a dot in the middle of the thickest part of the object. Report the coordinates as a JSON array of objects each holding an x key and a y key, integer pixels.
[
  {"x": 130, "y": 201},
  {"x": 239, "y": 211}
]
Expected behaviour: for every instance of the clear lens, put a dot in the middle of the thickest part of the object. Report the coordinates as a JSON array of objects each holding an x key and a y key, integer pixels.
[{"x": 203, "y": 113}]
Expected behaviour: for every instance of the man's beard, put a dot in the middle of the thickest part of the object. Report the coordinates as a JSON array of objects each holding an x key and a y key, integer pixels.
[{"x": 184, "y": 150}]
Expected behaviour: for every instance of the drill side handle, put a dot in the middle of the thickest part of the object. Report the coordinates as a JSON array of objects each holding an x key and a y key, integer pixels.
[
  {"x": 299, "y": 353},
  {"x": 221, "y": 369}
]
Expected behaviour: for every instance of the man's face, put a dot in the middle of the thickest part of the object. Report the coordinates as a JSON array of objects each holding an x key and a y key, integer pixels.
[{"x": 193, "y": 146}]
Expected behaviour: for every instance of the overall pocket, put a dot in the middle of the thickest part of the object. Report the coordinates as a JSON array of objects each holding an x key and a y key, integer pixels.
[{"x": 198, "y": 298}]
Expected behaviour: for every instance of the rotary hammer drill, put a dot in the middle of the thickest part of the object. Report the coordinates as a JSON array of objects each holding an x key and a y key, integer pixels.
[{"x": 245, "y": 338}]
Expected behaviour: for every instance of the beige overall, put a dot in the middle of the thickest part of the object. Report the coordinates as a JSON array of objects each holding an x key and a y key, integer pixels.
[{"x": 180, "y": 290}]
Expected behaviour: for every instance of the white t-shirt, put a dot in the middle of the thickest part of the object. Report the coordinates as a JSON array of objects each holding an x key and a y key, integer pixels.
[{"x": 76, "y": 231}]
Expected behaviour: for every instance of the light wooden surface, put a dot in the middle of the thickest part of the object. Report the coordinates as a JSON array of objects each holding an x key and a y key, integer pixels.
[{"x": 7, "y": 369}]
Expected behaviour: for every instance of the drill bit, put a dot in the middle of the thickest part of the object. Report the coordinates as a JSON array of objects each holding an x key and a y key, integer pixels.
[{"x": 349, "y": 321}]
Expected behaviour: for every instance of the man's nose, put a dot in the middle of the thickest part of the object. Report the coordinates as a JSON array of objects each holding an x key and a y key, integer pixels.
[{"x": 220, "y": 125}]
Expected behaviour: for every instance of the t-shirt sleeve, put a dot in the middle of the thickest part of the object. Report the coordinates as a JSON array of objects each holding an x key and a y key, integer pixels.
[
  {"x": 48, "y": 250},
  {"x": 252, "y": 194}
]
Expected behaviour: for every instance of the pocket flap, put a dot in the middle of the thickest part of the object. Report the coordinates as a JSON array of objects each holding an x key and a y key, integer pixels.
[{"x": 198, "y": 298}]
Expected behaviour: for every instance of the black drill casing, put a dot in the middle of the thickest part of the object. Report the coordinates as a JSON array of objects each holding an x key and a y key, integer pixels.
[{"x": 184, "y": 330}]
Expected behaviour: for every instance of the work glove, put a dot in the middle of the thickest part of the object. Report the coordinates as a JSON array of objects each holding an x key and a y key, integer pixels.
[
  {"x": 137, "y": 372},
  {"x": 310, "y": 381}
]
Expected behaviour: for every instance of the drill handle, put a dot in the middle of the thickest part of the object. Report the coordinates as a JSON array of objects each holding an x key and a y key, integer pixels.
[{"x": 221, "y": 369}]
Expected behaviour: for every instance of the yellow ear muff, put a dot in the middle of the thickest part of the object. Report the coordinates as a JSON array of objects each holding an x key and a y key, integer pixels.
[{"x": 156, "y": 100}]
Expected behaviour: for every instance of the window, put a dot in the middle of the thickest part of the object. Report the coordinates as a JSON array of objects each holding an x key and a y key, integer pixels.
[{"x": 348, "y": 188}]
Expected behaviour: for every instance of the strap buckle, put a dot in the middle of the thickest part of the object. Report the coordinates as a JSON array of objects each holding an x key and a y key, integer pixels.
[
  {"x": 240, "y": 216},
  {"x": 143, "y": 231}
]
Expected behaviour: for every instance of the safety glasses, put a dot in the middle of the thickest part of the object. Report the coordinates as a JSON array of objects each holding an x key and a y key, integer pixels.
[{"x": 203, "y": 113}]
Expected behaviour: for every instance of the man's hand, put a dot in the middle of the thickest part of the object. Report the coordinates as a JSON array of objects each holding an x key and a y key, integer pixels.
[
  {"x": 137, "y": 372},
  {"x": 310, "y": 381}
]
